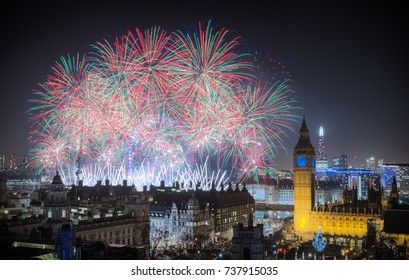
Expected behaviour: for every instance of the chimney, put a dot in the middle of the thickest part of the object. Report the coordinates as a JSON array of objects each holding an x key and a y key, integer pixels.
[
  {"x": 106, "y": 182},
  {"x": 125, "y": 183}
]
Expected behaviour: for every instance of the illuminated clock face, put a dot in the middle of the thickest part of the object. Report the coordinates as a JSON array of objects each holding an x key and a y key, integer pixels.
[
  {"x": 301, "y": 161},
  {"x": 313, "y": 161}
]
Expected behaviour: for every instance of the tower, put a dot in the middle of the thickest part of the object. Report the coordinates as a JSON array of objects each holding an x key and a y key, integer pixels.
[
  {"x": 394, "y": 199},
  {"x": 13, "y": 162},
  {"x": 322, "y": 162},
  {"x": 2, "y": 162},
  {"x": 56, "y": 207},
  {"x": 304, "y": 181},
  {"x": 64, "y": 243}
]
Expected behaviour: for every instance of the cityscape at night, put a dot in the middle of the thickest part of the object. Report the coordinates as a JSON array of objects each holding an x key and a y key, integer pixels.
[{"x": 143, "y": 131}]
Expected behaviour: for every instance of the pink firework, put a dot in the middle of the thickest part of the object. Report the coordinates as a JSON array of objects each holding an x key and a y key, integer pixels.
[{"x": 163, "y": 99}]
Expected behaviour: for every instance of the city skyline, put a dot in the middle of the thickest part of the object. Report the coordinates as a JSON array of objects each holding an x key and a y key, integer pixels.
[{"x": 348, "y": 63}]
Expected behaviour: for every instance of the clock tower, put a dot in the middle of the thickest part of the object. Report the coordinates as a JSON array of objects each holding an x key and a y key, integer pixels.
[{"x": 304, "y": 181}]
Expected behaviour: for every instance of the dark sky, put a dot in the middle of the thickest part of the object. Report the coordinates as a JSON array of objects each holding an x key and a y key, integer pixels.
[{"x": 349, "y": 60}]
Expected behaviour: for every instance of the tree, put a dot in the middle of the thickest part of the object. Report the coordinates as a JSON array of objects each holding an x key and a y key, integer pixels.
[
  {"x": 319, "y": 243},
  {"x": 159, "y": 240}
]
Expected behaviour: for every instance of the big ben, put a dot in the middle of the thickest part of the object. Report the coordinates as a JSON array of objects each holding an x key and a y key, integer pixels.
[{"x": 304, "y": 181}]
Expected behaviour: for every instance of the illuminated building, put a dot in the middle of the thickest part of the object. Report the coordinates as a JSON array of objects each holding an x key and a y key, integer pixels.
[
  {"x": 284, "y": 174},
  {"x": 227, "y": 207},
  {"x": 2, "y": 162},
  {"x": 379, "y": 166},
  {"x": 328, "y": 192},
  {"x": 336, "y": 163},
  {"x": 90, "y": 218},
  {"x": 340, "y": 163},
  {"x": 23, "y": 163},
  {"x": 64, "y": 243},
  {"x": 273, "y": 191},
  {"x": 13, "y": 162},
  {"x": 336, "y": 221},
  {"x": 304, "y": 181},
  {"x": 130, "y": 229},
  {"x": 370, "y": 163},
  {"x": 111, "y": 214},
  {"x": 19, "y": 199},
  {"x": 398, "y": 170},
  {"x": 363, "y": 179},
  {"x": 322, "y": 162},
  {"x": 285, "y": 192},
  {"x": 188, "y": 223},
  {"x": 106, "y": 196},
  {"x": 56, "y": 207}
]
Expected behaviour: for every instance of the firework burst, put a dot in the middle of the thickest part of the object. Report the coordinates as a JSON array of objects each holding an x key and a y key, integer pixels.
[{"x": 160, "y": 105}]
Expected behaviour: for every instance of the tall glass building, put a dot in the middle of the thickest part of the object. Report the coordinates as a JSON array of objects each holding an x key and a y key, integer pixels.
[
  {"x": 398, "y": 170},
  {"x": 322, "y": 161}
]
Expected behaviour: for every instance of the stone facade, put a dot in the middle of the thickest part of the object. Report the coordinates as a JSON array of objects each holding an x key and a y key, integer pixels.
[{"x": 247, "y": 242}]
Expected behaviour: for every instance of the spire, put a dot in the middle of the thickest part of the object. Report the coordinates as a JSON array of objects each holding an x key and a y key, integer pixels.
[
  {"x": 304, "y": 142},
  {"x": 213, "y": 186},
  {"x": 322, "y": 162},
  {"x": 321, "y": 132},
  {"x": 304, "y": 127},
  {"x": 394, "y": 186},
  {"x": 250, "y": 220},
  {"x": 394, "y": 200}
]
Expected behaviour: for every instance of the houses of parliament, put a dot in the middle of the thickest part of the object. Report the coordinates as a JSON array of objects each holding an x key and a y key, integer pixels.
[{"x": 349, "y": 218}]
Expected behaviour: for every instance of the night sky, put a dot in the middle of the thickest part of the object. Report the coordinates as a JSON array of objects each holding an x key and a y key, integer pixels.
[{"x": 349, "y": 61}]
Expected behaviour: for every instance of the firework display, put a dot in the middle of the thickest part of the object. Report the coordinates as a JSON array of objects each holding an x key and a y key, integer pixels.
[{"x": 155, "y": 105}]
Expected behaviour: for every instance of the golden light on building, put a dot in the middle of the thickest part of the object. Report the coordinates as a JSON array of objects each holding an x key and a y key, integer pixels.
[{"x": 347, "y": 219}]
